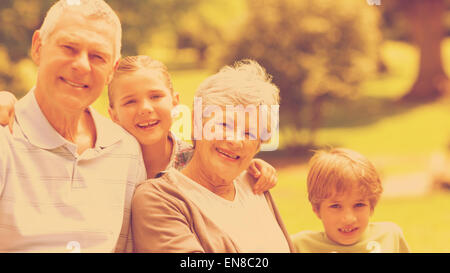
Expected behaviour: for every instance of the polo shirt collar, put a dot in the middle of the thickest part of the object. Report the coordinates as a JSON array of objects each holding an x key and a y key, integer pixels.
[{"x": 41, "y": 133}]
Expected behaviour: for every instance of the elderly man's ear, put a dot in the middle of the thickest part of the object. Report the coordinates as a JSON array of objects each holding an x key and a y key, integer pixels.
[
  {"x": 36, "y": 45},
  {"x": 111, "y": 75}
]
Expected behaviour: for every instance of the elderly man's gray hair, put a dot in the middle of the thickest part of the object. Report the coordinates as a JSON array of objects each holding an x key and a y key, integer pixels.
[{"x": 89, "y": 8}]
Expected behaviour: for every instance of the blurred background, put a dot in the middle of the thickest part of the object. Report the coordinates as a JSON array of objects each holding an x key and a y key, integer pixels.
[{"x": 373, "y": 78}]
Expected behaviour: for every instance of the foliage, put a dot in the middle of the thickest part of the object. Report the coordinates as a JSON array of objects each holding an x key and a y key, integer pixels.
[
  {"x": 20, "y": 18},
  {"x": 312, "y": 48}
]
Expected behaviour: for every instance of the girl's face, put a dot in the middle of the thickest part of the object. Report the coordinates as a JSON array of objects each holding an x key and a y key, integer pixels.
[{"x": 142, "y": 104}]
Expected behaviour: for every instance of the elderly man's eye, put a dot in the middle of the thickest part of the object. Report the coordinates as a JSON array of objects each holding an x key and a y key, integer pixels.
[
  {"x": 99, "y": 57},
  {"x": 68, "y": 48}
]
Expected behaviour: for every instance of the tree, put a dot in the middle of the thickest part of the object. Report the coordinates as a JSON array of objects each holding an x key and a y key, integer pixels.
[
  {"x": 421, "y": 22},
  {"x": 315, "y": 50},
  {"x": 20, "y": 18},
  {"x": 427, "y": 29}
]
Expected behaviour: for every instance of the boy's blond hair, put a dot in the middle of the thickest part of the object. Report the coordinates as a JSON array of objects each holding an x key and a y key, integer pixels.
[
  {"x": 338, "y": 170},
  {"x": 132, "y": 64}
]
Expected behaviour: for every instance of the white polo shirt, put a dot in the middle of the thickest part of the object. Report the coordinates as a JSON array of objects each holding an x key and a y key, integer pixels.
[{"x": 55, "y": 200}]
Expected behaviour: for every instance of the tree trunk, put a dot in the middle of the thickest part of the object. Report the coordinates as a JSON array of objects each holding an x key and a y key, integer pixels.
[
  {"x": 316, "y": 117},
  {"x": 426, "y": 21}
]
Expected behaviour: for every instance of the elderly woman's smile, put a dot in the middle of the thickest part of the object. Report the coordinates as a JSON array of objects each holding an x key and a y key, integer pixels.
[{"x": 227, "y": 154}]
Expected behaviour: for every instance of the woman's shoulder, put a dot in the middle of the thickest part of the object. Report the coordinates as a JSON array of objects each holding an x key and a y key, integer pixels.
[{"x": 164, "y": 183}]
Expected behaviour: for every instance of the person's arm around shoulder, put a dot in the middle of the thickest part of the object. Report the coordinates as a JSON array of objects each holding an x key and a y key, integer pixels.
[
  {"x": 3, "y": 157},
  {"x": 7, "y": 103},
  {"x": 158, "y": 222},
  {"x": 264, "y": 173}
]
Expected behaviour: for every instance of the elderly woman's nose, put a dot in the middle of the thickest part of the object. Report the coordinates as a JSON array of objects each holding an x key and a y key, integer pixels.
[{"x": 235, "y": 143}]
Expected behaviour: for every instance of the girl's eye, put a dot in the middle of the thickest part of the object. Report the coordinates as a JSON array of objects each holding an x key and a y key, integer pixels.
[
  {"x": 154, "y": 97},
  {"x": 128, "y": 102},
  {"x": 360, "y": 205},
  {"x": 335, "y": 206}
]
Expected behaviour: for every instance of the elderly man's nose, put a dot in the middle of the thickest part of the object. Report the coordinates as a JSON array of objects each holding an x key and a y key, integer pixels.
[{"x": 81, "y": 63}]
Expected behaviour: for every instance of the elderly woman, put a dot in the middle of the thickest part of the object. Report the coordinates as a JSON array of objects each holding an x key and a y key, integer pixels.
[{"x": 210, "y": 206}]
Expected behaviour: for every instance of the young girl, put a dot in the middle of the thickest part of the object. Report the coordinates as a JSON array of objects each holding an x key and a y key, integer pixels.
[{"x": 141, "y": 100}]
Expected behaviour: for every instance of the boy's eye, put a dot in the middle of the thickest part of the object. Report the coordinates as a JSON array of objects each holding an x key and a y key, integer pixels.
[
  {"x": 335, "y": 206},
  {"x": 154, "y": 97},
  {"x": 360, "y": 205}
]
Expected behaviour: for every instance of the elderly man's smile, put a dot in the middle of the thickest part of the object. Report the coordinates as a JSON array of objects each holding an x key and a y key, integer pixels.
[{"x": 74, "y": 84}]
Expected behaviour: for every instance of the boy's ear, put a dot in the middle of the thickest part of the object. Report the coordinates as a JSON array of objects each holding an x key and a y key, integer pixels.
[
  {"x": 113, "y": 114},
  {"x": 316, "y": 210},
  {"x": 372, "y": 209}
]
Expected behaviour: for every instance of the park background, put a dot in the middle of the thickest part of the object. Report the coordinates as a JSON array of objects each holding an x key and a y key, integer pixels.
[{"x": 373, "y": 78}]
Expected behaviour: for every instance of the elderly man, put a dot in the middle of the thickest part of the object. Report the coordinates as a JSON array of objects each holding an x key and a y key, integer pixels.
[{"x": 67, "y": 174}]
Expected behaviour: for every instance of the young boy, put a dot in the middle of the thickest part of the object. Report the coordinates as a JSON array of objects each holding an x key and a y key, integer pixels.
[{"x": 343, "y": 188}]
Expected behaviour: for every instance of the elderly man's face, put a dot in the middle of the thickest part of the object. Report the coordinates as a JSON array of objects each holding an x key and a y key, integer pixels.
[{"x": 76, "y": 61}]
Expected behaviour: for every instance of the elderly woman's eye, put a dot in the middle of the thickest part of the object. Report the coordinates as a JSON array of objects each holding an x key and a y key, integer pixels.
[
  {"x": 250, "y": 135},
  {"x": 226, "y": 125}
]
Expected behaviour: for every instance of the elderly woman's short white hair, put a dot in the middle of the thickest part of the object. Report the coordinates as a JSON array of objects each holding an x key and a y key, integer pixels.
[
  {"x": 244, "y": 83},
  {"x": 98, "y": 9}
]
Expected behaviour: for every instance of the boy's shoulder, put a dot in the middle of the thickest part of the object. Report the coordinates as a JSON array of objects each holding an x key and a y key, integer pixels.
[
  {"x": 307, "y": 234},
  {"x": 309, "y": 241},
  {"x": 380, "y": 228}
]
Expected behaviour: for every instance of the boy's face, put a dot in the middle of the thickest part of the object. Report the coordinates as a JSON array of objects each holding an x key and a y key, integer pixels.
[
  {"x": 142, "y": 105},
  {"x": 345, "y": 216}
]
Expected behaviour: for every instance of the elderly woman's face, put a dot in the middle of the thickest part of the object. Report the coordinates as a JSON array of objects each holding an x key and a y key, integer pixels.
[{"x": 229, "y": 155}]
